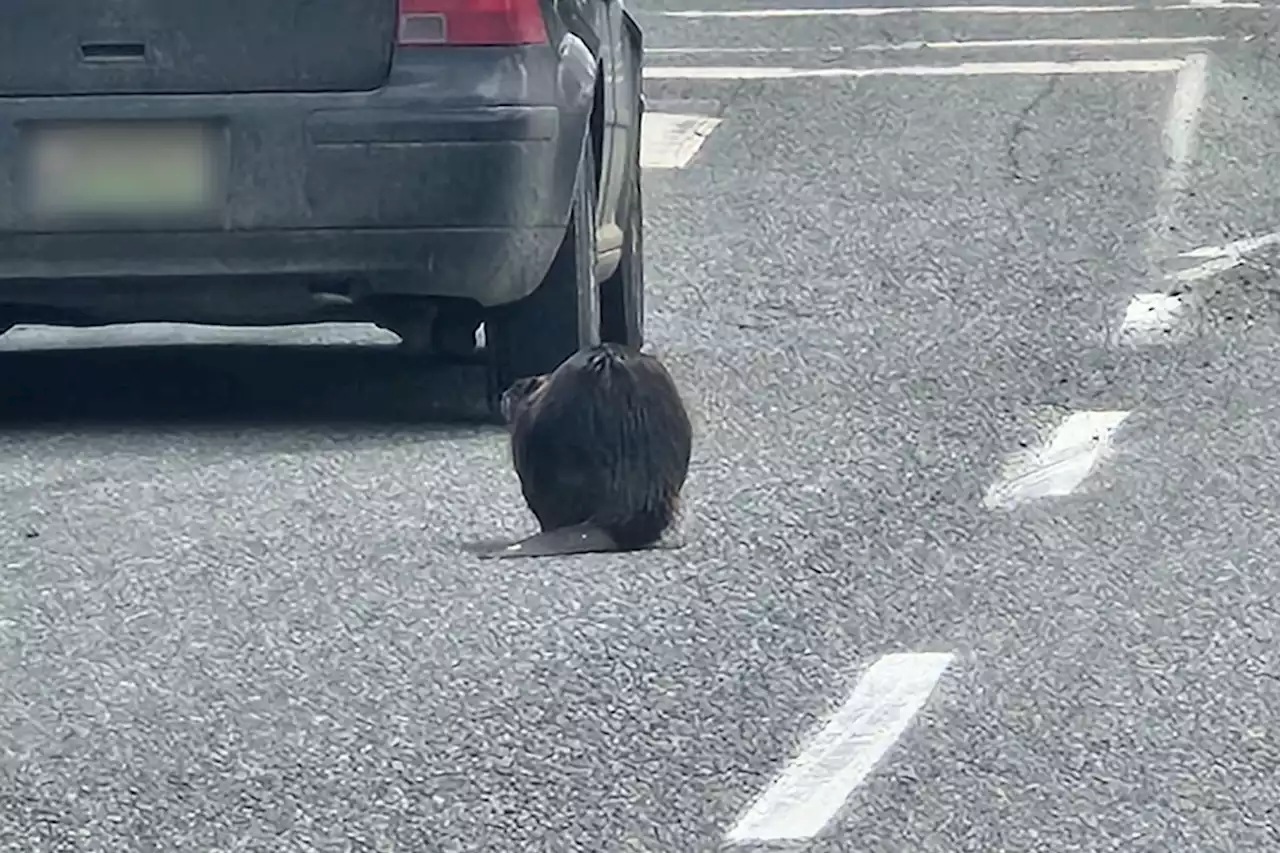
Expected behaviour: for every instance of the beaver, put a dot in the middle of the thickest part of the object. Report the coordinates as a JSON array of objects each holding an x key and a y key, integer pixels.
[{"x": 601, "y": 446}]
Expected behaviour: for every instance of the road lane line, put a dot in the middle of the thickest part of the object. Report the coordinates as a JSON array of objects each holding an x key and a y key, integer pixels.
[
  {"x": 1179, "y": 142},
  {"x": 814, "y": 786},
  {"x": 882, "y": 11},
  {"x": 1061, "y": 464},
  {"x": 670, "y": 140},
  {"x": 976, "y": 44},
  {"x": 967, "y": 69},
  {"x": 1222, "y": 258},
  {"x": 1208, "y": 269},
  {"x": 1148, "y": 319},
  {"x": 1236, "y": 248}
]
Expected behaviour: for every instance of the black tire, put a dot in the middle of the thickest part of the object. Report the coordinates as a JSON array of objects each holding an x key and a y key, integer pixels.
[
  {"x": 562, "y": 315},
  {"x": 622, "y": 294}
]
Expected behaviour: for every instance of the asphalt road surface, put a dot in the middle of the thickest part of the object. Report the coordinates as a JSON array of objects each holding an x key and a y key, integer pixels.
[{"x": 959, "y": 389}]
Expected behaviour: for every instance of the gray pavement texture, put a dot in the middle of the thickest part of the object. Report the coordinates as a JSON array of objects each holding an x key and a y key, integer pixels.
[{"x": 234, "y": 617}]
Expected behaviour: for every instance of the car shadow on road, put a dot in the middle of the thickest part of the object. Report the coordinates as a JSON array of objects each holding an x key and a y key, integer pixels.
[{"x": 286, "y": 386}]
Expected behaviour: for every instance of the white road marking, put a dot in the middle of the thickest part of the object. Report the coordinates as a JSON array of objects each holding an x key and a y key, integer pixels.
[
  {"x": 976, "y": 44},
  {"x": 966, "y": 69},
  {"x": 1235, "y": 248},
  {"x": 813, "y": 787},
  {"x": 1150, "y": 317},
  {"x": 1222, "y": 258},
  {"x": 1060, "y": 465},
  {"x": 1207, "y": 270},
  {"x": 1179, "y": 140},
  {"x": 670, "y": 140},
  {"x": 1148, "y": 321},
  {"x": 881, "y": 11}
]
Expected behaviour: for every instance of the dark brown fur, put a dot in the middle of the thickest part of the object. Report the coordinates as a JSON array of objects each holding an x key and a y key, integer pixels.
[{"x": 602, "y": 447}]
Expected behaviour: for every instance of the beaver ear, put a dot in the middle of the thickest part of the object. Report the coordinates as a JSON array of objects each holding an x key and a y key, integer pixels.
[
  {"x": 520, "y": 388},
  {"x": 528, "y": 384},
  {"x": 519, "y": 393},
  {"x": 512, "y": 399},
  {"x": 533, "y": 385}
]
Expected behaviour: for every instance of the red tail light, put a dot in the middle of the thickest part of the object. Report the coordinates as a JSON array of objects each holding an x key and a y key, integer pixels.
[{"x": 471, "y": 22}]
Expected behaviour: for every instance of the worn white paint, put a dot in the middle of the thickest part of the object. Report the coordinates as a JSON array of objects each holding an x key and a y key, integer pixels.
[
  {"x": 670, "y": 140},
  {"x": 1220, "y": 259},
  {"x": 1152, "y": 318},
  {"x": 1061, "y": 464},
  {"x": 974, "y": 44},
  {"x": 882, "y": 11},
  {"x": 1208, "y": 269},
  {"x": 1189, "y": 91},
  {"x": 1179, "y": 143},
  {"x": 1096, "y": 66},
  {"x": 814, "y": 786},
  {"x": 1235, "y": 248}
]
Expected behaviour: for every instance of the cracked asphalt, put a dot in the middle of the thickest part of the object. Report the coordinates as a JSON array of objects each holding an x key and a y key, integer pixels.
[{"x": 234, "y": 613}]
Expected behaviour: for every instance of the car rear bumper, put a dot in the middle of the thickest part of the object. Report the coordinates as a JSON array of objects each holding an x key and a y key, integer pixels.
[
  {"x": 457, "y": 140},
  {"x": 489, "y": 265}
]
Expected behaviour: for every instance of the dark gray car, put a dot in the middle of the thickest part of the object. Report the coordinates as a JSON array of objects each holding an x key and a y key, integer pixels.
[{"x": 427, "y": 165}]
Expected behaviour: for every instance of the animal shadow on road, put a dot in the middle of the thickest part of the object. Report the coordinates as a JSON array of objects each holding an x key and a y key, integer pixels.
[{"x": 236, "y": 385}]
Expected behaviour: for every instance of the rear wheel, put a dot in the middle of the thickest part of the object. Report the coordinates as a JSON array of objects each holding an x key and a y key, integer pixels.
[{"x": 562, "y": 315}]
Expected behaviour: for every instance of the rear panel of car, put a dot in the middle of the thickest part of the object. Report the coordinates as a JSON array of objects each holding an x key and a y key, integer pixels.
[
  {"x": 275, "y": 114},
  {"x": 84, "y": 47},
  {"x": 416, "y": 146}
]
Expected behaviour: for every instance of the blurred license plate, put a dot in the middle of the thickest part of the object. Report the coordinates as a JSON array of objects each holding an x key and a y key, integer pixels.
[{"x": 123, "y": 169}]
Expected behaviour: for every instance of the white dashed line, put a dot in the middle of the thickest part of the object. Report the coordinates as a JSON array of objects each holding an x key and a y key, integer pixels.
[
  {"x": 1236, "y": 248},
  {"x": 1152, "y": 318},
  {"x": 1099, "y": 66},
  {"x": 1222, "y": 258},
  {"x": 881, "y": 11},
  {"x": 813, "y": 787},
  {"x": 1208, "y": 269},
  {"x": 1179, "y": 140},
  {"x": 1061, "y": 464},
  {"x": 670, "y": 140}
]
